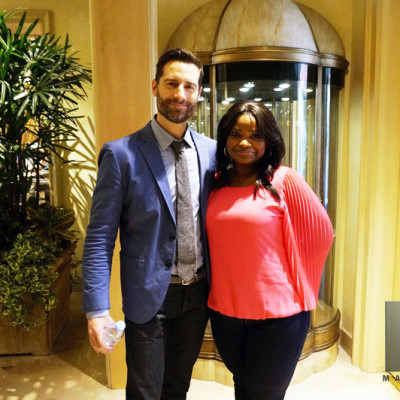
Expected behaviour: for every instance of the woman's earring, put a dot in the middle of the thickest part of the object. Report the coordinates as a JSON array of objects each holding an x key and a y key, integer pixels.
[{"x": 230, "y": 164}]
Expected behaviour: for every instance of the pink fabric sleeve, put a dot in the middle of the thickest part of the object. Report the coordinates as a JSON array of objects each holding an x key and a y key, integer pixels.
[{"x": 308, "y": 234}]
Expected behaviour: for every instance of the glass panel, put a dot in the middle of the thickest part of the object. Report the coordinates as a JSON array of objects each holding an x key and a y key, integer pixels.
[
  {"x": 289, "y": 90},
  {"x": 200, "y": 120},
  {"x": 333, "y": 82}
]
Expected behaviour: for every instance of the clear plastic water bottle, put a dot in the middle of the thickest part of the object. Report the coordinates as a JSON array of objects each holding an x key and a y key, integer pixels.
[{"x": 113, "y": 333}]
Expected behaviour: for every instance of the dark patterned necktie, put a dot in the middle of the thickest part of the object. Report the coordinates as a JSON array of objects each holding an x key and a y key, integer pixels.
[{"x": 186, "y": 238}]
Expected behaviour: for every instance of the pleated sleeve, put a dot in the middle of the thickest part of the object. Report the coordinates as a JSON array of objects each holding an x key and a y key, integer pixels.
[{"x": 308, "y": 234}]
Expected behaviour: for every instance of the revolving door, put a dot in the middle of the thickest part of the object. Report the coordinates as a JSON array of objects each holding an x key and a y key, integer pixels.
[
  {"x": 304, "y": 99},
  {"x": 291, "y": 58}
]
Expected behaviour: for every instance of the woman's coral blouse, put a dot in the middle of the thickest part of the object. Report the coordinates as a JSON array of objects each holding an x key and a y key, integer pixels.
[{"x": 267, "y": 257}]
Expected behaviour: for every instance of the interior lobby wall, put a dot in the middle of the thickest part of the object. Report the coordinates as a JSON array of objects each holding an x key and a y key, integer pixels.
[{"x": 378, "y": 264}]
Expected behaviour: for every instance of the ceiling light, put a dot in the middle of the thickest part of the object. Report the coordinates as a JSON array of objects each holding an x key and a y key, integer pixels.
[
  {"x": 257, "y": 98},
  {"x": 206, "y": 89},
  {"x": 284, "y": 85},
  {"x": 249, "y": 85},
  {"x": 244, "y": 89}
]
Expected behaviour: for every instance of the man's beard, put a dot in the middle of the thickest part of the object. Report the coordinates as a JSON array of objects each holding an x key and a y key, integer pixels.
[{"x": 175, "y": 116}]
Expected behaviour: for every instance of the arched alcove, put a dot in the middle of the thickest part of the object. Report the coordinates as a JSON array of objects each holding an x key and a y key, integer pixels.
[{"x": 290, "y": 57}]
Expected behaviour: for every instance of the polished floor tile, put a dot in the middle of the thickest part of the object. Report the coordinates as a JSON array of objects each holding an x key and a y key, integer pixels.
[
  {"x": 74, "y": 372},
  {"x": 343, "y": 381}
]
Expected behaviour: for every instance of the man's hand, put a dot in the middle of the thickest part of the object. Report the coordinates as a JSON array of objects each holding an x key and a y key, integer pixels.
[{"x": 96, "y": 328}]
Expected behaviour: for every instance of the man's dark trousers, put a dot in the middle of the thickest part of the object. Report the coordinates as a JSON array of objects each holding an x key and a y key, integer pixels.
[{"x": 160, "y": 354}]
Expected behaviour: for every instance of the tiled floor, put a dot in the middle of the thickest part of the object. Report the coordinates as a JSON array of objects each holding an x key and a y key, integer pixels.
[{"x": 74, "y": 372}]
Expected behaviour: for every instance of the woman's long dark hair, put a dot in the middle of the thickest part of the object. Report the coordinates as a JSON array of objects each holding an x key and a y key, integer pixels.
[{"x": 268, "y": 128}]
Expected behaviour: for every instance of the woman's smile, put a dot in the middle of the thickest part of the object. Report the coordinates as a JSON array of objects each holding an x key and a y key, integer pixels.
[{"x": 244, "y": 143}]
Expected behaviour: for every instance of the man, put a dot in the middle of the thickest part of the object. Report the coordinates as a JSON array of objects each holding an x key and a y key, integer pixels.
[{"x": 164, "y": 291}]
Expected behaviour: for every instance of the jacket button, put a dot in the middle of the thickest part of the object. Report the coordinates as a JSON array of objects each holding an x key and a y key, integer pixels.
[
  {"x": 168, "y": 264},
  {"x": 172, "y": 238}
]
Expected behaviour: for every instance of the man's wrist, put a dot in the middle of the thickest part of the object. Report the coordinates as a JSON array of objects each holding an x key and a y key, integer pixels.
[{"x": 97, "y": 314}]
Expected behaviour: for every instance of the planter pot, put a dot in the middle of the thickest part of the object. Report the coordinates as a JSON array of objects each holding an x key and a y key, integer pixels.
[{"x": 39, "y": 341}]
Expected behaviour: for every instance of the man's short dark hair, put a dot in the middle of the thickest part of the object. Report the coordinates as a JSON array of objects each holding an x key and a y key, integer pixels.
[{"x": 182, "y": 55}]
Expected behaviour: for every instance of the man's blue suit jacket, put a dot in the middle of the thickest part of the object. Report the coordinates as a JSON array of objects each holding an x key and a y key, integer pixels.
[{"x": 132, "y": 193}]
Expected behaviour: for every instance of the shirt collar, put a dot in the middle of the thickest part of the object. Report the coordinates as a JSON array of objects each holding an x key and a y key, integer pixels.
[{"x": 164, "y": 139}]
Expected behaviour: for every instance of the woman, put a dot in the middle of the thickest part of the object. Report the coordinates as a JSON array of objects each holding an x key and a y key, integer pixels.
[{"x": 269, "y": 237}]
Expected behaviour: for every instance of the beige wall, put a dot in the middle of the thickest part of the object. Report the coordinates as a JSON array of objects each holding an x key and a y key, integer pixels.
[
  {"x": 378, "y": 244},
  {"x": 170, "y": 15},
  {"x": 123, "y": 66},
  {"x": 367, "y": 235}
]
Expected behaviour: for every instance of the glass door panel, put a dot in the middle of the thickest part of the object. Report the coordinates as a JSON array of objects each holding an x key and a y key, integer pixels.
[
  {"x": 200, "y": 121},
  {"x": 332, "y": 83}
]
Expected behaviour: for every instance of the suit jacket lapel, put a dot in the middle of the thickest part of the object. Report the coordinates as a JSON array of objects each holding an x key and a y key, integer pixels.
[
  {"x": 151, "y": 152},
  {"x": 204, "y": 164}
]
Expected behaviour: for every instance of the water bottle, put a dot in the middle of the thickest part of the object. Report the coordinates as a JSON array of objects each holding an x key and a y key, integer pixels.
[{"x": 113, "y": 333}]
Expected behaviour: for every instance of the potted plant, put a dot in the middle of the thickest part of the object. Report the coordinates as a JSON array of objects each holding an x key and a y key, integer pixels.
[{"x": 41, "y": 81}]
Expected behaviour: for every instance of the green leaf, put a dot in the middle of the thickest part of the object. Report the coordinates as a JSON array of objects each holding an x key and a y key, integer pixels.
[
  {"x": 20, "y": 25},
  {"x": 21, "y": 95},
  {"x": 4, "y": 87},
  {"x": 31, "y": 27},
  {"x": 23, "y": 107}
]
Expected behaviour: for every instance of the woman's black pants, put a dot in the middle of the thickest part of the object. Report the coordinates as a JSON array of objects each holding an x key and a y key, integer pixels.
[{"x": 261, "y": 354}]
